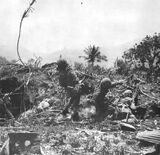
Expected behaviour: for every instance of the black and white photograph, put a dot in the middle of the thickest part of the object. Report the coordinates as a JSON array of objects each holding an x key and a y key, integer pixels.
[{"x": 79, "y": 77}]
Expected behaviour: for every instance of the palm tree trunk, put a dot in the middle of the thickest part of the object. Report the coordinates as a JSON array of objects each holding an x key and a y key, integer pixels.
[{"x": 90, "y": 67}]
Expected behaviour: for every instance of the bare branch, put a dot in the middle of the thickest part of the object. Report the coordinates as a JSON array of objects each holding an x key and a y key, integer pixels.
[{"x": 25, "y": 14}]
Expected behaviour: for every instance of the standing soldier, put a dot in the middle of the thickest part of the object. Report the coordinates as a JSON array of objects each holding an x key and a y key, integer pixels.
[
  {"x": 68, "y": 80},
  {"x": 73, "y": 86}
]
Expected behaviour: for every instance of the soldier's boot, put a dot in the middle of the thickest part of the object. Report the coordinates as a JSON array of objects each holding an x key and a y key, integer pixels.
[{"x": 75, "y": 116}]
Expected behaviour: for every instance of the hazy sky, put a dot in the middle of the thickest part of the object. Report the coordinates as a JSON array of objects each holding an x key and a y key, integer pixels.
[{"x": 68, "y": 26}]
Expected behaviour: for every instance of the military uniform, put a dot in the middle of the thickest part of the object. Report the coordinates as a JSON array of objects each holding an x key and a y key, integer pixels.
[
  {"x": 100, "y": 100},
  {"x": 73, "y": 87},
  {"x": 68, "y": 80}
]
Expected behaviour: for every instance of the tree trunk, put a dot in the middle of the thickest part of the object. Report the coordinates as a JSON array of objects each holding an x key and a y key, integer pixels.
[{"x": 90, "y": 67}]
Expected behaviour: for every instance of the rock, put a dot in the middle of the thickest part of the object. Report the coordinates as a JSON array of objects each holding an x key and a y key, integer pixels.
[
  {"x": 27, "y": 113},
  {"x": 43, "y": 105}
]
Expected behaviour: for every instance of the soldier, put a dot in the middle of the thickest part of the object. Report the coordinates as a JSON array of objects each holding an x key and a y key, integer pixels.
[
  {"x": 99, "y": 97},
  {"x": 72, "y": 85},
  {"x": 67, "y": 80}
]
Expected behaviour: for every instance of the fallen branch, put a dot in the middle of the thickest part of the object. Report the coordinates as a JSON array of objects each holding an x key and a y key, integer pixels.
[
  {"x": 44, "y": 112},
  {"x": 28, "y": 79},
  {"x": 13, "y": 127},
  {"x": 149, "y": 95}
]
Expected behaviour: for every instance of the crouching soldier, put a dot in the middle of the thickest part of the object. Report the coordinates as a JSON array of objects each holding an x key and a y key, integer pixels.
[{"x": 99, "y": 97}]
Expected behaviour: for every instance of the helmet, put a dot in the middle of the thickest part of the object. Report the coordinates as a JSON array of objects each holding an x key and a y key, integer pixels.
[{"x": 105, "y": 84}]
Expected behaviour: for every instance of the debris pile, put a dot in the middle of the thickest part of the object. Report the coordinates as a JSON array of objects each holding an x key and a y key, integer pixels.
[{"x": 34, "y": 101}]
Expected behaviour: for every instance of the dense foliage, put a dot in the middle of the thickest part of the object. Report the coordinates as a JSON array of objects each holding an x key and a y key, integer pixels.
[{"x": 145, "y": 56}]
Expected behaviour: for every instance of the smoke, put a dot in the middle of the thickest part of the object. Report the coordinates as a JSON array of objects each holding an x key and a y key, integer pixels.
[{"x": 87, "y": 112}]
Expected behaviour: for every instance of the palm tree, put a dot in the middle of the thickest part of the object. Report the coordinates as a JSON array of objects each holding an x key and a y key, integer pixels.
[{"x": 93, "y": 55}]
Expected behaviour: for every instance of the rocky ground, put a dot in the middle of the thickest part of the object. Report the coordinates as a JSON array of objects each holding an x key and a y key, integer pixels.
[
  {"x": 61, "y": 135},
  {"x": 68, "y": 137}
]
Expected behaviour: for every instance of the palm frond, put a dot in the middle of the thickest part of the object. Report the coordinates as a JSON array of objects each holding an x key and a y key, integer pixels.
[{"x": 93, "y": 54}]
